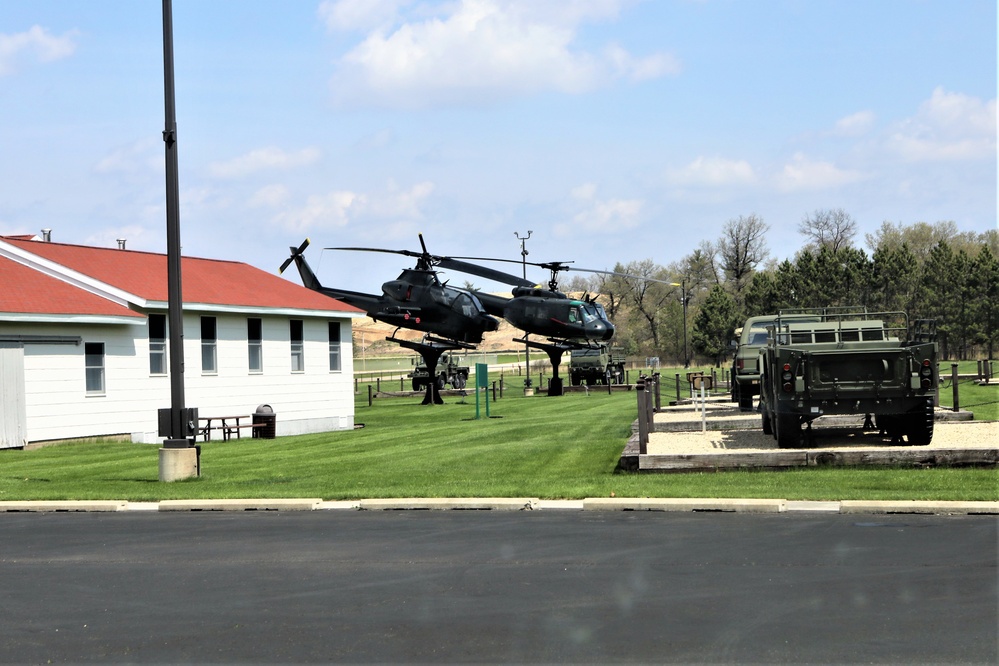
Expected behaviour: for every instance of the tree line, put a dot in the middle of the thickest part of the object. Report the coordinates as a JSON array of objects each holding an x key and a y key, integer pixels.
[{"x": 929, "y": 271}]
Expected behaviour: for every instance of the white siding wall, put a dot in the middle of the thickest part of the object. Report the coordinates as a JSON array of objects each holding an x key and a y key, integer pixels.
[{"x": 58, "y": 406}]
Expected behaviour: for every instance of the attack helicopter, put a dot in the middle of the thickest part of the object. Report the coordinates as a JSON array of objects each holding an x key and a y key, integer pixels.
[
  {"x": 415, "y": 300},
  {"x": 450, "y": 318}
]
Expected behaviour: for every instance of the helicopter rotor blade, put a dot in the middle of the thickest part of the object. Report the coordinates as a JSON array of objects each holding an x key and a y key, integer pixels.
[
  {"x": 407, "y": 253},
  {"x": 484, "y": 272},
  {"x": 294, "y": 253}
]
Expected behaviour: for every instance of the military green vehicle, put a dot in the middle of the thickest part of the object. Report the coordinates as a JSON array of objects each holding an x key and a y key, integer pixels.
[
  {"x": 850, "y": 362},
  {"x": 751, "y": 338},
  {"x": 449, "y": 371},
  {"x": 600, "y": 364}
]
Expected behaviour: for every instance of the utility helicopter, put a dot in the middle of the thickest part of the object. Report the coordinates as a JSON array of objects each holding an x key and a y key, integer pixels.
[
  {"x": 451, "y": 318},
  {"x": 567, "y": 323}
]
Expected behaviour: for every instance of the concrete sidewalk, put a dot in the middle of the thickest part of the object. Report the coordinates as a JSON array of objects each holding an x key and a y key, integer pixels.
[{"x": 520, "y": 504}]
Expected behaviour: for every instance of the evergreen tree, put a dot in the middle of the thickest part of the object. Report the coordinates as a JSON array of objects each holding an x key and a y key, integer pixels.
[{"x": 714, "y": 325}]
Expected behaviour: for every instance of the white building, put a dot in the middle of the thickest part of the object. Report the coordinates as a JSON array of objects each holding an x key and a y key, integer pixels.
[{"x": 84, "y": 344}]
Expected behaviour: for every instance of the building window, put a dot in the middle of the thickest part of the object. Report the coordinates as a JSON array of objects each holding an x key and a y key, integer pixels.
[
  {"x": 297, "y": 346},
  {"x": 94, "y": 361},
  {"x": 209, "y": 342},
  {"x": 255, "y": 344},
  {"x": 334, "y": 346},
  {"x": 157, "y": 344}
]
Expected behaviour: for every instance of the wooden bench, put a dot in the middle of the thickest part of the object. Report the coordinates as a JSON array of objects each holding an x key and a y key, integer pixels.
[{"x": 228, "y": 425}]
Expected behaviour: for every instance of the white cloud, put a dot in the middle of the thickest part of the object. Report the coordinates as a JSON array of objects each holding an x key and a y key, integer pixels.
[
  {"x": 481, "y": 49},
  {"x": 855, "y": 124},
  {"x": 350, "y": 15},
  {"x": 712, "y": 172},
  {"x": 805, "y": 174},
  {"x": 322, "y": 212},
  {"x": 948, "y": 126},
  {"x": 600, "y": 215},
  {"x": 263, "y": 159},
  {"x": 37, "y": 43},
  {"x": 342, "y": 207},
  {"x": 141, "y": 156},
  {"x": 269, "y": 196}
]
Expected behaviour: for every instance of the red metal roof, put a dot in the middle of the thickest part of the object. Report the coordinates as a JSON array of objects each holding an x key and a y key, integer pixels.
[
  {"x": 26, "y": 291},
  {"x": 208, "y": 281}
]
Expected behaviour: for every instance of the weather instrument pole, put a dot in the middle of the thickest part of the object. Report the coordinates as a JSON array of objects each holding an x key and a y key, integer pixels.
[
  {"x": 177, "y": 423},
  {"x": 527, "y": 347}
]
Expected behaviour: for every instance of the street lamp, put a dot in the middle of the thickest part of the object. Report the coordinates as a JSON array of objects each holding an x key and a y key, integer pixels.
[
  {"x": 683, "y": 296},
  {"x": 527, "y": 348}
]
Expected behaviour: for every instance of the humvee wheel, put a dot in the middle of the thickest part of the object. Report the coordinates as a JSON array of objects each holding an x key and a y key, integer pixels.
[
  {"x": 417, "y": 385},
  {"x": 788, "y": 431},
  {"x": 919, "y": 427}
]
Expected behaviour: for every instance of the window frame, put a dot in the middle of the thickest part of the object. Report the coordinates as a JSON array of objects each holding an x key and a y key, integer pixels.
[
  {"x": 336, "y": 346},
  {"x": 158, "y": 346},
  {"x": 90, "y": 369},
  {"x": 297, "y": 345},
  {"x": 255, "y": 346},
  {"x": 209, "y": 345}
]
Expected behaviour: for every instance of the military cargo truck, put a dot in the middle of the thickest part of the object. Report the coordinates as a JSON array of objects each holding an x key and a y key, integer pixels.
[
  {"x": 748, "y": 343},
  {"x": 601, "y": 364},
  {"x": 849, "y": 363},
  {"x": 449, "y": 371}
]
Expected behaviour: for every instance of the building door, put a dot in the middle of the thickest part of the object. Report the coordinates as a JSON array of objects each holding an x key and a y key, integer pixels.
[{"x": 13, "y": 415}]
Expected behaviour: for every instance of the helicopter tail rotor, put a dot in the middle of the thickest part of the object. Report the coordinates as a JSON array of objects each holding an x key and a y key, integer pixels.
[{"x": 295, "y": 253}]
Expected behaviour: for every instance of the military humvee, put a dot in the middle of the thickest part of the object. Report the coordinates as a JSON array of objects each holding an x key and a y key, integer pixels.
[
  {"x": 745, "y": 369},
  {"x": 449, "y": 371},
  {"x": 849, "y": 362},
  {"x": 601, "y": 364}
]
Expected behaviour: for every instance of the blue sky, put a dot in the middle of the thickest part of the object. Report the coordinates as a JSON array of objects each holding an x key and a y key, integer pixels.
[{"x": 614, "y": 130}]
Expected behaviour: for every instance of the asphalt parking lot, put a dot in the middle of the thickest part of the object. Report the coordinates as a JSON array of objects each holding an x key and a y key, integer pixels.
[{"x": 497, "y": 587}]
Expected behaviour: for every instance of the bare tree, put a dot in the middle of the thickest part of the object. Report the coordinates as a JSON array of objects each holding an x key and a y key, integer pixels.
[
  {"x": 742, "y": 248},
  {"x": 833, "y": 228}
]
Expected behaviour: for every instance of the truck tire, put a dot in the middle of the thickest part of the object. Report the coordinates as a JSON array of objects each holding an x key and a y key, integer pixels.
[
  {"x": 788, "y": 431},
  {"x": 768, "y": 428},
  {"x": 441, "y": 381},
  {"x": 745, "y": 401},
  {"x": 919, "y": 426},
  {"x": 460, "y": 381},
  {"x": 417, "y": 385}
]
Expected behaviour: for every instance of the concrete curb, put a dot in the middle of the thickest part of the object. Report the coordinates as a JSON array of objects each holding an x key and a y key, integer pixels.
[
  {"x": 450, "y": 503},
  {"x": 520, "y": 504},
  {"x": 918, "y": 506},
  {"x": 685, "y": 504},
  {"x": 241, "y": 505},
  {"x": 63, "y": 505}
]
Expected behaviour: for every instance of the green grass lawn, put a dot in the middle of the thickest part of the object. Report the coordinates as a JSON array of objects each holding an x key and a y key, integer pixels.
[{"x": 546, "y": 447}]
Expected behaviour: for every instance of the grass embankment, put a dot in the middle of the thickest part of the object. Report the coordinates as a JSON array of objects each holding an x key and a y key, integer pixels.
[{"x": 543, "y": 447}]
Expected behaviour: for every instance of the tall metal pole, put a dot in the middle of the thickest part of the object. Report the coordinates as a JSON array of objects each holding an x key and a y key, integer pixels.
[
  {"x": 179, "y": 426},
  {"x": 683, "y": 296},
  {"x": 523, "y": 260}
]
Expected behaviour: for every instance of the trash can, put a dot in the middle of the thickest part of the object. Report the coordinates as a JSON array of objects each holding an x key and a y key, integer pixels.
[{"x": 266, "y": 421}]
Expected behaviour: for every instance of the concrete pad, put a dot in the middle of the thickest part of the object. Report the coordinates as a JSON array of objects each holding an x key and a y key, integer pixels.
[
  {"x": 919, "y": 506},
  {"x": 339, "y": 505},
  {"x": 240, "y": 505},
  {"x": 63, "y": 505},
  {"x": 178, "y": 464},
  {"x": 422, "y": 503},
  {"x": 684, "y": 504}
]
